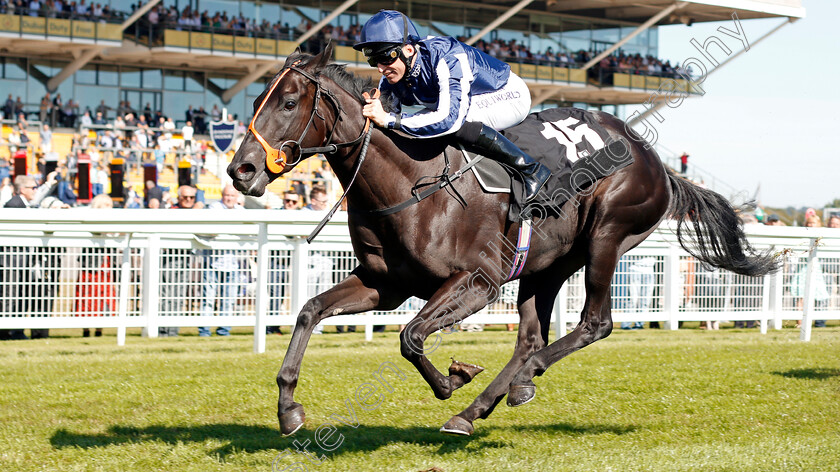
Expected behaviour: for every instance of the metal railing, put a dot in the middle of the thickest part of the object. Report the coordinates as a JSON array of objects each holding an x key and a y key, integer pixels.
[{"x": 84, "y": 268}]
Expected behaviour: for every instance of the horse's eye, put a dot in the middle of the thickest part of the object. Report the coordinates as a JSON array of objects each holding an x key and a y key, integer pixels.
[{"x": 290, "y": 104}]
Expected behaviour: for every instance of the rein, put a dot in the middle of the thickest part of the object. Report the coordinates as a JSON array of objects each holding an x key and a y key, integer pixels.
[{"x": 276, "y": 159}]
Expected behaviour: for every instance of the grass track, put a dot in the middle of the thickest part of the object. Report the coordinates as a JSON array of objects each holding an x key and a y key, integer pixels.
[{"x": 690, "y": 400}]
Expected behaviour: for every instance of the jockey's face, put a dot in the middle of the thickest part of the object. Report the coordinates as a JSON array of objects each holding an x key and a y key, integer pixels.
[{"x": 395, "y": 71}]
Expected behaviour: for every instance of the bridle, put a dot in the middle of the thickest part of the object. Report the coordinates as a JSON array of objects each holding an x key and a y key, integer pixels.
[{"x": 276, "y": 159}]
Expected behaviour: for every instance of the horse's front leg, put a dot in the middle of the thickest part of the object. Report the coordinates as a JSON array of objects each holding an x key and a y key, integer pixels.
[
  {"x": 460, "y": 296},
  {"x": 355, "y": 294}
]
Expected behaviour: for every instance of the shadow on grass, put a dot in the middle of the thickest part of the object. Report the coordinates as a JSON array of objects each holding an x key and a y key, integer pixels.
[
  {"x": 259, "y": 438},
  {"x": 816, "y": 373},
  {"x": 252, "y": 438},
  {"x": 569, "y": 429}
]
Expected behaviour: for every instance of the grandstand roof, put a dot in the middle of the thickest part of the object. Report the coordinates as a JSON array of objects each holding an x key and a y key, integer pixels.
[
  {"x": 586, "y": 13},
  {"x": 626, "y": 12}
]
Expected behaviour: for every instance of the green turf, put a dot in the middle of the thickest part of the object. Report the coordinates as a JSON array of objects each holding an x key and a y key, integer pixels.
[{"x": 647, "y": 400}]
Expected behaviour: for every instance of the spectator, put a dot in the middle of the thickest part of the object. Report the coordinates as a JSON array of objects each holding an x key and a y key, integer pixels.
[
  {"x": 641, "y": 275},
  {"x": 834, "y": 221},
  {"x": 684, "y": 163},
  {"x": 9, "y": 107},
  {"x": 319, "y": 277},
  {"x": 154, "y": 196},
  {"x": 773, "y": 220},
  {"x": 187, "y": 132},
  {"x": 19, "y": 107},
  {"x": 821, "y": 294},
  {"x": 278, "y": 276},
  {"x": 44, "y": 109},
  {"x": 57, "y": 110},
  {"x": 86, "y": 122},
  {"x": 100, "y": 180},
  {"x": 23, "y": 287},
  {"x": 318, "y": 200},
  {"x": 175, "y": 274},
  {"x": 96, "y": 294},
  {"x": 102, "y": 108},
  {"x": 6, "y": 191},
  {"x": 222, "y": 272},
  {"x": 46, "y": 138},
  {"x": 291, "y": 201}
]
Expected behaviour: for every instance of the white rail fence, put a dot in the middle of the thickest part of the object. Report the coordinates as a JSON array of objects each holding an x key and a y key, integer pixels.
[{"x": 83, "y": 268}]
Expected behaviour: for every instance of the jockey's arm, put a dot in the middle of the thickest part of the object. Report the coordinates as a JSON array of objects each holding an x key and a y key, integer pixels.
[{"x": 453, "y": 76}]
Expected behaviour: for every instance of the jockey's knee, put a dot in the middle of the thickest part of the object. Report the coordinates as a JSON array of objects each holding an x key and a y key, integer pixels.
[{"x": 469, "y": 132}]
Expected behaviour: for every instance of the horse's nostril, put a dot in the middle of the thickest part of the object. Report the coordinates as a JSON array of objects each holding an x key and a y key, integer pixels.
[{"x": 245, "y": 169}]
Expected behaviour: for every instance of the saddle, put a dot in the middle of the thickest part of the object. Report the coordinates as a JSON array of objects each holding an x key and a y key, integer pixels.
[{"x": 570, "y": 142}]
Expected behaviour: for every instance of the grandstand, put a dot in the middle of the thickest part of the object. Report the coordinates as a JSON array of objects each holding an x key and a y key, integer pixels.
[{"x": 207, "y": 54}]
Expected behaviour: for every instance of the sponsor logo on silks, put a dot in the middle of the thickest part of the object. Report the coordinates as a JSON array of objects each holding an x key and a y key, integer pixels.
[{"x": 222, "y": 133}]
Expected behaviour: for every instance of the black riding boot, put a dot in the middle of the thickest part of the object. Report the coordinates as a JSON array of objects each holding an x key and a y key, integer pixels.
[{"x": 482, "y": 139}]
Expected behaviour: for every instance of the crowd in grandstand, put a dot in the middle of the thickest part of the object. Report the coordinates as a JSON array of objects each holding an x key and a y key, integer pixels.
[
  {"x": 76, "y": 10},
  {"x": 191, "y": 19}
]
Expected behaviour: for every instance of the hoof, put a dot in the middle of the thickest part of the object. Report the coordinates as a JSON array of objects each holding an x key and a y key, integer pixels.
[
  {"x": 465, "y": 371},
  {"x": 457, "y": 426},
  {"x": 292, "y": 419},
  {"x": 521, "y": 394}
]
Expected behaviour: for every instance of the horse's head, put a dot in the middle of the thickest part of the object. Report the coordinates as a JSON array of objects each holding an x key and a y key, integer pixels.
[{"x": 286, "y": 119}]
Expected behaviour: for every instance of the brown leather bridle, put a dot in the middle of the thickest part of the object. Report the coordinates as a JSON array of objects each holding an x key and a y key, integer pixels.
[{"x": 276, "y": 159}]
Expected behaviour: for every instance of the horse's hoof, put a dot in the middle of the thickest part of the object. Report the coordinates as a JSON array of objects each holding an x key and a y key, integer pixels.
[
  {"x": 521, "y": 394},
  {"x": 292, "y": 419},
  {"x": 465, "y": 371},
  {"x": 457, "y": 426}
]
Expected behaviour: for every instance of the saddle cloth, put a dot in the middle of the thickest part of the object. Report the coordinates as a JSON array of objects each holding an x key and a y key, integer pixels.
[{"x": 571, "y": 143}]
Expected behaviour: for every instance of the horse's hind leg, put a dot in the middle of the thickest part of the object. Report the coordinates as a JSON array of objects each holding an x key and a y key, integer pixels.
[
  {"x": 460, "y": 296},
  {"x": 595, "y": 324},
  {"x": 351, "y": 295},
  {"x": 534, "y": 317}
]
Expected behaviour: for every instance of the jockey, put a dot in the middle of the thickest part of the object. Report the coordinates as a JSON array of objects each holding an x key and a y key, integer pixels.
[{"x": 463, "y": 91}]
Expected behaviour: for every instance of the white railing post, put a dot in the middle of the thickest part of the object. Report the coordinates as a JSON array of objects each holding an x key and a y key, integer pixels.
[
  {"x": 561, "y": 307},
  {"x": 262, "y": 289},
  {"x": 125, "y": 287},
  {"x": 672, "y": 286},
  {"x": 369, "y": 326},
  {"x": 776, "y": 293},
  {"x": 151, "y": 286},
  {"x": 300, "y": 272},
  {"x": 766, "y": 290},
  {"x": 810, "y": 291}
]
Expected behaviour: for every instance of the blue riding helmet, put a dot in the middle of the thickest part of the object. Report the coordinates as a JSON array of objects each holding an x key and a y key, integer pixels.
[{"x": 386, "y": 29}]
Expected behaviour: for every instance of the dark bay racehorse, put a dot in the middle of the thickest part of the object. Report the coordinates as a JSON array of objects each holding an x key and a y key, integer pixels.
[{"x": 453, "y": 255}]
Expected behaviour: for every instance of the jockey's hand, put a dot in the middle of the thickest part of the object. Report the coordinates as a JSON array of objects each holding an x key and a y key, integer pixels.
[{"x": 375, "y": 112}]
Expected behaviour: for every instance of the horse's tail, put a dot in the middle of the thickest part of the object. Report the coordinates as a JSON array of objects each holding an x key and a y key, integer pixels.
[{"x": 709, "y": 228}]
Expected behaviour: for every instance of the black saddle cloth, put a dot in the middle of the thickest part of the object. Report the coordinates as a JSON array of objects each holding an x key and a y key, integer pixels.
[{"x": 574, "y": 146}]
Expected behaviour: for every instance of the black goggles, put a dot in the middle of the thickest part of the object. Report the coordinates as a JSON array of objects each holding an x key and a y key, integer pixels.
[{"x": 385, "y": 58}]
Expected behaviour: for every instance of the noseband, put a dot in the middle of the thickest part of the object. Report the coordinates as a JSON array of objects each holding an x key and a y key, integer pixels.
[{"x": 276, "y": 159}]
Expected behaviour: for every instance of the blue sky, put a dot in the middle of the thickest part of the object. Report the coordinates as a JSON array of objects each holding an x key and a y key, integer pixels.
[{"x": 769, "y": 116}]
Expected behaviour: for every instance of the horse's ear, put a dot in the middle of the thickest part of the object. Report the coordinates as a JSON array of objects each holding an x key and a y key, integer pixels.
[
  {"x": 326, "y": 55},
  {"x": 295, "y": 55}
]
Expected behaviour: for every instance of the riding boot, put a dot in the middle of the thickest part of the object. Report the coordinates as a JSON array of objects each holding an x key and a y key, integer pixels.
[{"x": 489, "y": 142}]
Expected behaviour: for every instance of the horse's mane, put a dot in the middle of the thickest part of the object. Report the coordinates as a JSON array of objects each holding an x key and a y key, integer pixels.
[{"x": 345, "y": 79}]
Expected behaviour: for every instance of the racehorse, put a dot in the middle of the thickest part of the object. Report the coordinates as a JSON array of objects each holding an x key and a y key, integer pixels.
[{"x": 452, "y": 254}]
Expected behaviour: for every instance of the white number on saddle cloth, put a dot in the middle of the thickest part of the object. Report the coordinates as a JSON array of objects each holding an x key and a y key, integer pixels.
[{"x": 562, "y": 131}]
